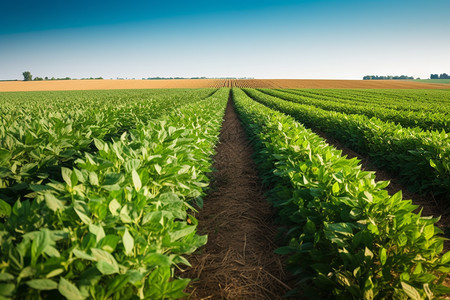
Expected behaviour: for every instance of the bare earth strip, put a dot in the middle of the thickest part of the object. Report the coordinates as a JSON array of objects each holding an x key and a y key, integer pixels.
[
  {"x": 238, "y": 262},
  {"x": 67, "y": 85},
  {"x": 60, "y": 85}
]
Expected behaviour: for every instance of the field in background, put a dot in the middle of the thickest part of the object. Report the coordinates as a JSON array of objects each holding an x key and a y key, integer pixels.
[
  {"x": 438, "y": 81},
  {"x": 11, "y": 86}
]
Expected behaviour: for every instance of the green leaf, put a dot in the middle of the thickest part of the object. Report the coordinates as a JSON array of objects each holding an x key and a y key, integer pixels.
[
  {"x": 176, "y": 287},
  {"x": 157, "y": 259},
  {"x": 7, "y": 289},
  {"x": 93, "y": 179},
  {"x": 342, "y": 228},
  {"x": 42, "y": 284},
  {"x": 66, "y": 174},
  {"x": 158, "y": 169},
  {"x": 432, "y": 163},
  {"x": 418, "y": 269},
  {"x": 383, "y": 256},
  {"x": 51, "y": 251},
  {"x": 82, "y": 255},
  {"x": 82, "y": 215},
  {"x": 27, "y": 272},
  {"x": 309, "y": 227},
  {"x": 335, "y": 188},
  {"x": 109, "y": 243},
  {"x": 175, "y": 235},
  {"x": 55, "y": 272},
  {"x": 98, "y": 231},
  {"x": 106, "y": 268},
  {"x": 445, "y": 258},
  {"x": 53, "y": 203},
  {"x": 5, "y": 209},
  {"x": 134, "y": 276},
  {"x": 125, "y": 215},
  {"x": 136, "y": 180},
  {"x": 69, "y": 290},
  {"x": 128, "y": 242},
  {"x": 428, "y": 231},
  {"x": 159, "y": 277},
  {"x": 41, "y": 241},
  {"x": 410, "y": 291},
  {"x": 6, "y": 277},
  {"x": 107, "y": 264},
  {"x": 368, "y": 253},
  {"x": 114, "y": 206}
]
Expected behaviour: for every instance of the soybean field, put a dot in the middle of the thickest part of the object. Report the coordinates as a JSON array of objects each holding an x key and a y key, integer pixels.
[{"x": 224, "y": 192}]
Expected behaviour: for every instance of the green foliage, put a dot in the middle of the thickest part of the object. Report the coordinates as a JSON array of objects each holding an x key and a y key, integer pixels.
[
  {"x": 346, "y": 237},
  {"x": 115, "y": 224},
  {"x": 27, "y": 76},
  {"x": 420, "y": 158},
  {"x": 39, "y": 134},
  {"x": 407, "y": 115}
]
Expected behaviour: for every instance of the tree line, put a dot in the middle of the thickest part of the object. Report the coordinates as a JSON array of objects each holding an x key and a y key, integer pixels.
[
  {"x": 388, "y": 77},
  {"x": 442, "y": 76},
  {"x": 28, "y": 77}
]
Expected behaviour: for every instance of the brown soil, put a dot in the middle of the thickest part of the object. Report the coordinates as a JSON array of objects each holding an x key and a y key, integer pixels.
[
  {"x": 429, "y": 205},
  {"x": 238, "y": 262},
  {"x": 59, "y": 85}
]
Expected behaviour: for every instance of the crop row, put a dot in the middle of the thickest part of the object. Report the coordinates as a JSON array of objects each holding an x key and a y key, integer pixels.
[
  {"x": 40, "y": 135},
  {"x": 117, "y": 224},
  {"x": 347, "y": 238},
  {"x": 419, "y": 158},
  {"x": 407, "y": 100},
  {"x": 425, "y": 120}
]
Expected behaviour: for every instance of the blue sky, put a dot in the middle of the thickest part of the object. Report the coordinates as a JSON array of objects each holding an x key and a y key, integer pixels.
[{"x": 261, "y": 39}]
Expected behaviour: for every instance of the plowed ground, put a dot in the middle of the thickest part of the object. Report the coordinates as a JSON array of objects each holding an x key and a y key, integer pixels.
[{"x": 60, "y": 85}]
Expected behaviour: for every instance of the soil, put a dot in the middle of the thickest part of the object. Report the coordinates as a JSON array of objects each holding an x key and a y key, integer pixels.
[
  {"x": 238, "y": 262},
  {"x": 59, "y": 85}
]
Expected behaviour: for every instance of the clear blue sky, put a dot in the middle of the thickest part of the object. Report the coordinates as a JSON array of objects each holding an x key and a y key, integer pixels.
[{"x": 262, "y": 39}]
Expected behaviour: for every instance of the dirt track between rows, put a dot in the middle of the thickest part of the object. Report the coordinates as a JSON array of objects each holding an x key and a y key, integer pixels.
[
  {"x": 60, "y": 85},
  {"x": 238, "y": 262}
]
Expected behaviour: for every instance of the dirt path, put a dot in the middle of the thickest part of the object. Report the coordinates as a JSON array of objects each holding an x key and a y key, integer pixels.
[{"x": 238, "y": 261}]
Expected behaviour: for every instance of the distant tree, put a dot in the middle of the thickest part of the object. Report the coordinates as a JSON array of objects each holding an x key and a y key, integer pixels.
[
  {"x": 46, "y": 78},
  {"x": 434, "y": 76},
  {"x": 27, "y": 76},
  {"x": 38, "y": 78},
  {"x": 388, "y": 77},
  {"x": 444, "y": 76}
]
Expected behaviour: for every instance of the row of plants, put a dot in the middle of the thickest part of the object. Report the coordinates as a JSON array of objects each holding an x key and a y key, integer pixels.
[
  {"x": 409, "y": 100},
  {"x": 120, "y": 221},
  {"x": 346, "y": 238},
  {"x": 424, "y": 119},
  {"x": 419, "y": 158},
  {"x": 47, "y": 131}
]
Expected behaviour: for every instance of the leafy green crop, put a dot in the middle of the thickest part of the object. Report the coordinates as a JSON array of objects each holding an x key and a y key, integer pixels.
[
  {"x": 427, "y": 120},
  {"x": 420, "y": 158},
  {"x": 39, "y": 135},
  {"x": 346, "y": 237},
  {"x": 120, "y": 220}
]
